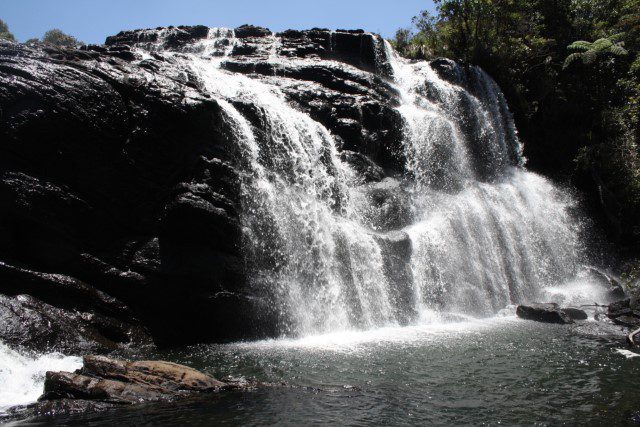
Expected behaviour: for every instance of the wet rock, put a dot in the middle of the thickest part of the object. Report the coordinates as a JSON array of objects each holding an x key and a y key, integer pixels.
[
  {"x": 103, "y": 383},
  {"x": 391, "y": 209},
  {"x": 630, "y": 321},
  {"x": 397, "y": 250},
  {"x": 616, "y": 291},
  {"x": 625, "y": 312},
  {"x": 170, "y": 37},
  {"x": 620, "y": 308},
  {"x": 98, "y": 157},
  {"x": 119, "y": 381},
  {"x": 51, "y": 408},
  {"x": 365, "y": 167},
  {"x": 245, "y": 31},
  {"x": 543, "y": 312},
  {"x": 575, "y": 313},
  {"x": 30, "y": 323}
]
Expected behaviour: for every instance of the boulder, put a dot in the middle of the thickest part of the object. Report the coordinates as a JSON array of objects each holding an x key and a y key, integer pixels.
[
  {"x": 119, "y": 381},
  {"x": 619, "y": 308},
  {"x": 543, "y": 312},
  {"x": 104, "y": 383},
  {"x": 575, "y": 313},
  {"x": 246, "y": 30},
  {"x": 626, "y": 313}
]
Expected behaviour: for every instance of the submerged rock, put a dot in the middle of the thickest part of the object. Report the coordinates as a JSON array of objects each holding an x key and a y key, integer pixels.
[{"x": 544, "y": 312}]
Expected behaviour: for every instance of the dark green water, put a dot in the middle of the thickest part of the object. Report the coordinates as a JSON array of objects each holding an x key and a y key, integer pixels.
[{"x": 499, "y": 371}]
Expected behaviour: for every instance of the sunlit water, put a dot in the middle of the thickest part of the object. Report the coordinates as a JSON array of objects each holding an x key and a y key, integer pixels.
[{"x": 493, "y": 371}]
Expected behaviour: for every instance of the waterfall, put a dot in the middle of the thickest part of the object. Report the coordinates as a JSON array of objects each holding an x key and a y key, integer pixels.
[
  {"x": 479, "y": 232},
  {"x": 487, "y": 232}
]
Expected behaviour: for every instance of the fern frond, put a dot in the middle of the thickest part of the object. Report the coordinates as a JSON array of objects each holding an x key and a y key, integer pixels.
[
  {"x": 617, "y": 37},
  {"x": 579, "y": 45},
  {"x": 589, "y": 57},
  {"x": 618, "y": 50},
  {"x": 601, "y": 45},
  {"x": 571, "y": 59}
]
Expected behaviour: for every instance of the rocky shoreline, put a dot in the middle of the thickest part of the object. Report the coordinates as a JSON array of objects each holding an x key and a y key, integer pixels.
[
  {"x": 622, "y": 312},
  {"x": 104, "y": 383}
]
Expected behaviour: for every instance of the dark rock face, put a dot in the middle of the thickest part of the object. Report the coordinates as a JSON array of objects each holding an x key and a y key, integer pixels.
[
  {"x": 120, "y": 179},
  {"x": 625, "y": 313},
  {"x": 547, "y": 313},
  {"x": 245, "y": 31},
  {"x": 28, "y": 322},
  {"x": 111, "y": 177}
]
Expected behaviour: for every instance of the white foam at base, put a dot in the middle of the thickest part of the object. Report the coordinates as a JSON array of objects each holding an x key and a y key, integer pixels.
[
  {"x": 22, "y": 376},
  {"x": 354, "y": 340},
  {"x": 627, "y": 353}
]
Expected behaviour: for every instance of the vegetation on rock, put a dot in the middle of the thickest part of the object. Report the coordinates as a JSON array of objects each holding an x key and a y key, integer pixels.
[
  {"x": 5, "y": 34},
  {"x": 54, "y": 37},
  {"x": 58, "y": 38}
]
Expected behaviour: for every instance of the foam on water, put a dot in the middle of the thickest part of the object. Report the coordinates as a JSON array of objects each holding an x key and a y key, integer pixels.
[
  {"x": 22, "y": 376},
  {"x": 355, "y": 340}
]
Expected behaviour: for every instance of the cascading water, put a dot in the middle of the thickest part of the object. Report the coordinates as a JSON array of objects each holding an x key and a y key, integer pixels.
[
  {"x": 487, "y": 233},
  {"x": 480, "y": 231},
  {"x": 22, "y": 376}
]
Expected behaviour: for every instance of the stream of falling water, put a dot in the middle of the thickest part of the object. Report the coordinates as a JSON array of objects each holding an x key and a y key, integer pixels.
[
  {"x": 484, "y": 232},
  {"x": 488, "y": 233}
]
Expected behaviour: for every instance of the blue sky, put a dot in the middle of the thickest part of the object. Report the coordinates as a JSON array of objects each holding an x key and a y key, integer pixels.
[{"x": 92, "y": 20}]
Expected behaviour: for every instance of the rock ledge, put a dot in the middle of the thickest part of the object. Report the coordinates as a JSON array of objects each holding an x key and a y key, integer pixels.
[
  {"x": 550, "y": 313},
  {"x": 103, "y": 383}
]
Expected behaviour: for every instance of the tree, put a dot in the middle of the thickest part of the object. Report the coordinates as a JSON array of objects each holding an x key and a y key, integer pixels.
[
  {"x": 401, "y": 41},
  {"x": 5, "y": 34},
  {"x": 58, "y": 38}
]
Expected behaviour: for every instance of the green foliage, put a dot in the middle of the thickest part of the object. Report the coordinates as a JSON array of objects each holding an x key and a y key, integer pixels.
[
  {"x": 570, "y": 70},
  {"x": 401, "y": 41},
  {"x": 589, "y": 53},
  {"x": 58, "y": 38},
  {"x": 5, "y": 34}
]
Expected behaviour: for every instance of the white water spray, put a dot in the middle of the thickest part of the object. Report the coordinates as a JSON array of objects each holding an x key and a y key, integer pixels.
[{"x": 485, "y": 232}]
